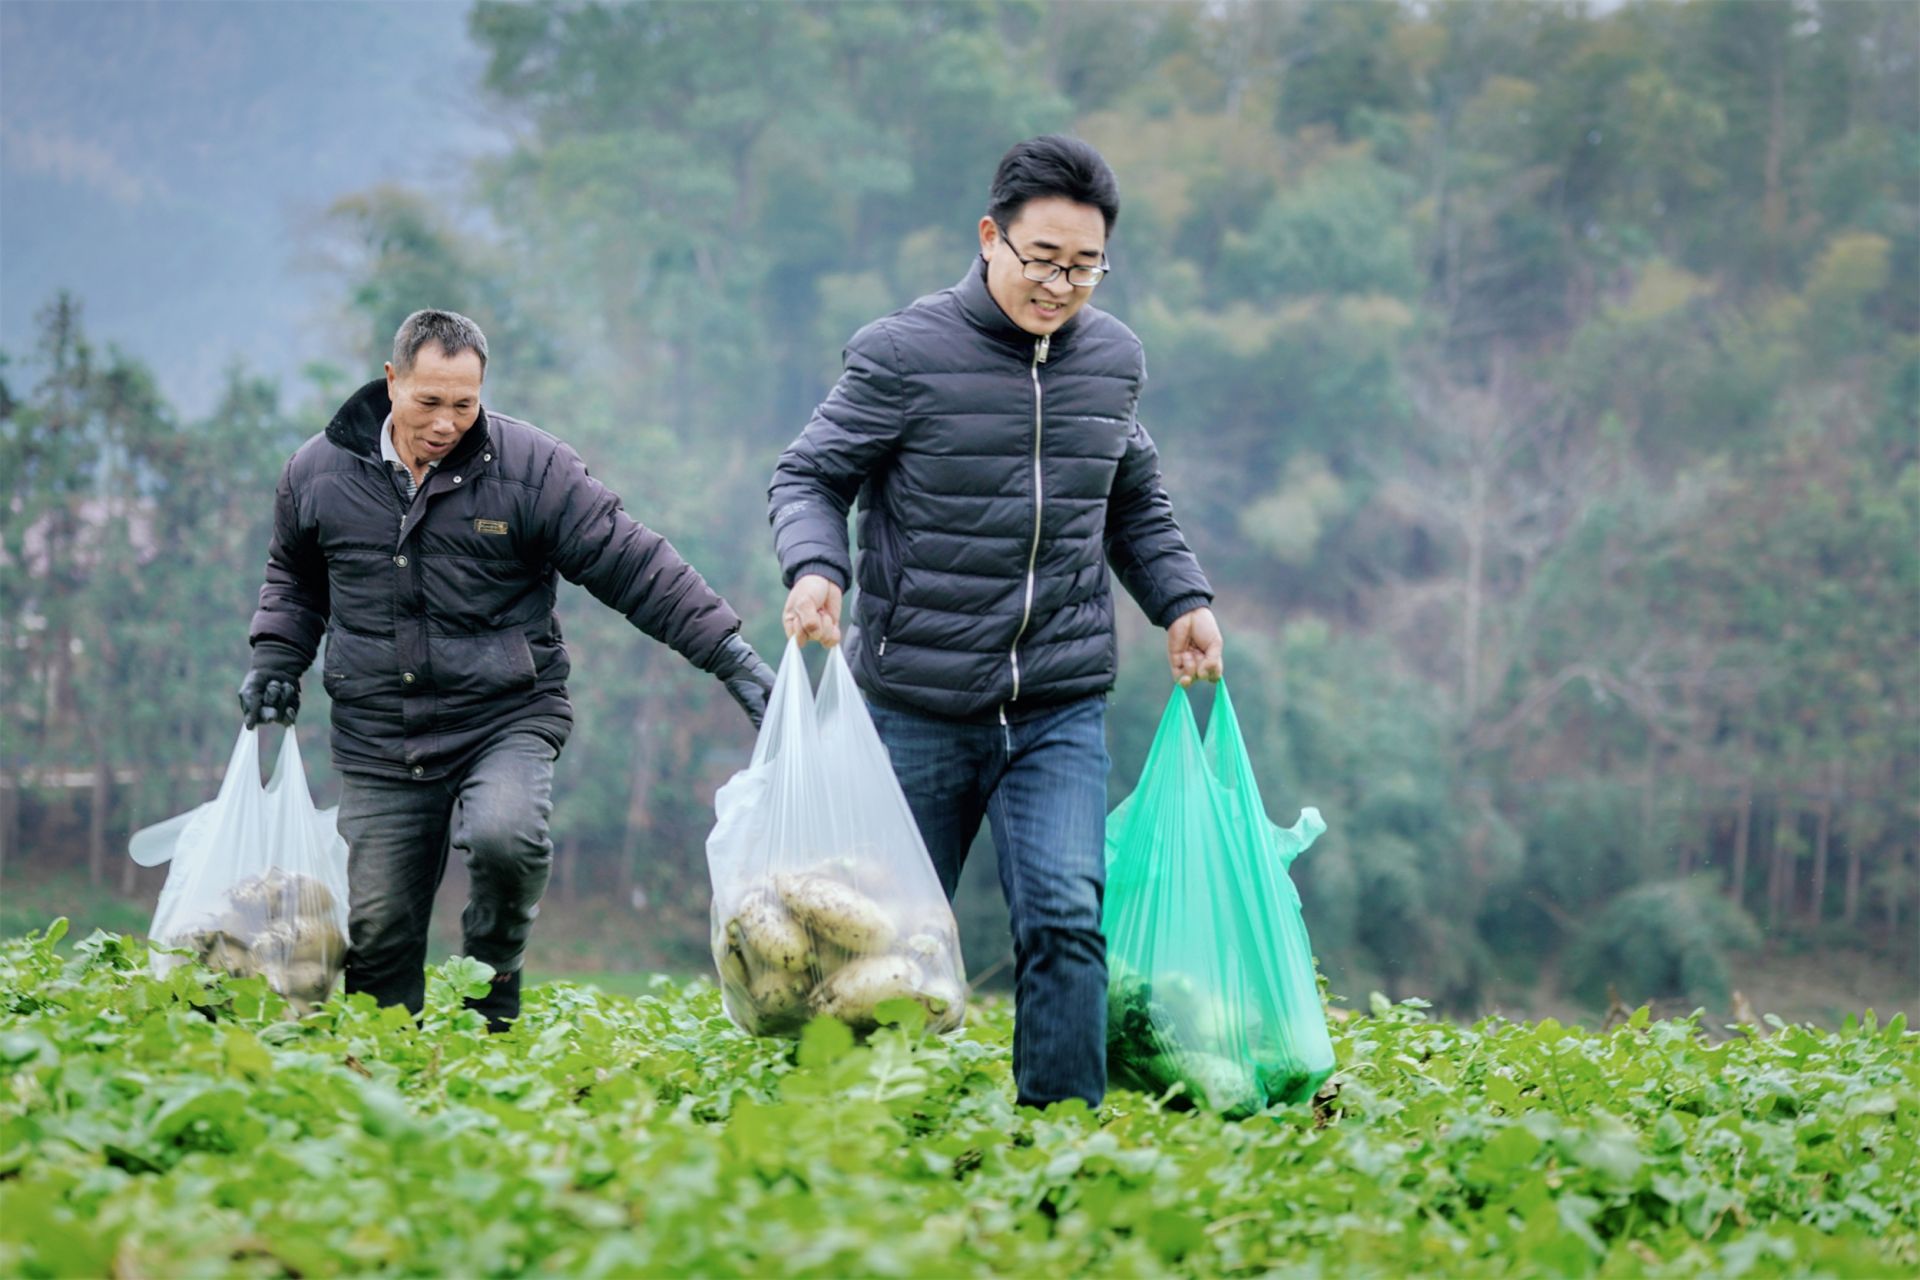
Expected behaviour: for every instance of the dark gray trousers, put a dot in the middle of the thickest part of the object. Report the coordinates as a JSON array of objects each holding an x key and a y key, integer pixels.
[{"x": 398, "y": 835}]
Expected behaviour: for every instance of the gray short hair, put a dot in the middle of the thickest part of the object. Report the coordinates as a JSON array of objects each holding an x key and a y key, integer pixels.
[{"x": 453, "y": 331}]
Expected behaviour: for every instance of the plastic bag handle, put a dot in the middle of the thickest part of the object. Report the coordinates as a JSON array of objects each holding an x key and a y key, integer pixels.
[
  {"x": 1290, "y": 842},
  {"x": 154, "y": 845},
  {"x": 288, "y": 772},
  {"x": 789, "y": 716}
]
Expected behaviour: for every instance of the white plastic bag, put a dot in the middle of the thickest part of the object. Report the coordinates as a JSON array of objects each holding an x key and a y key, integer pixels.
[
  {"x": 258, "y": 882},
  {"x": 824, "y": 899}
]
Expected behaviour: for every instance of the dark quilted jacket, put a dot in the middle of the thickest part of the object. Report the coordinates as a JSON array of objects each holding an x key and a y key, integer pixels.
[
  {"x": 998, "y": 476},
  {"x": 439, "y": 617}
]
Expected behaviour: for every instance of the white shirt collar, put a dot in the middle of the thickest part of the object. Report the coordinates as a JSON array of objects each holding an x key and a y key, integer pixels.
[{"x": 389, "y": 454}]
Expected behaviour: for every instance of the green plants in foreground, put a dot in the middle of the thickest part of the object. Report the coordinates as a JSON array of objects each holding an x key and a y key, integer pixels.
[{"x": 186, "y": 1124}]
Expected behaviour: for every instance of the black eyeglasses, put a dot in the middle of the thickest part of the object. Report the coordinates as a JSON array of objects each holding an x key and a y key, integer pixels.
[{"x": 1041, "y": 271}]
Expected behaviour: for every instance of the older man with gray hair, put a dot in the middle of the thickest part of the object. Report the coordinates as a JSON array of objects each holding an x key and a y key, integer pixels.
[{"x": 423, "y": 537}]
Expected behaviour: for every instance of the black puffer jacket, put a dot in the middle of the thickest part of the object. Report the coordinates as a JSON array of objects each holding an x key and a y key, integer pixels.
[
  {"x": 998, "y": 475},
  {"x": 439, "y": 617}
]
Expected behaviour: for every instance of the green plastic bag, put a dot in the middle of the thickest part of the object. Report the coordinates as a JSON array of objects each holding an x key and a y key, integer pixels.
[{"x": 1211, "y": 982}]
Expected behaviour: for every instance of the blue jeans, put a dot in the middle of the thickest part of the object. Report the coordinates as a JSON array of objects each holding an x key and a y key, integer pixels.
[
  {"x": 398, "y": 835},
  {"x": 1042, "y": 783}
]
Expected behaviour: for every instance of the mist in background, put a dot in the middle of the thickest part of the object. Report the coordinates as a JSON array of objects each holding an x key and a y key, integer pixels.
[
  {"x": 172, "y": 164},
  {"x": 1537, "y": 382}
]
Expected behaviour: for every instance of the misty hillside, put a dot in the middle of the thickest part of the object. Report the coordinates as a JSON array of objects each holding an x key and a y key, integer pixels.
[{"x": 169, "y": 163}]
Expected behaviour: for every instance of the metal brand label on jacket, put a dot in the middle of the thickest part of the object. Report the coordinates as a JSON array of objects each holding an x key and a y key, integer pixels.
[{"x": 490, "y": 526}]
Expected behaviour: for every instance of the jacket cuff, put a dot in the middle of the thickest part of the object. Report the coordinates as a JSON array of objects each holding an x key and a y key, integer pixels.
[
  {"x": 825, "y": 568},
  {"x": 279, "y": 657},
  {"x": 1181, "y": 607},
  {"x": 734, "y": 653}
]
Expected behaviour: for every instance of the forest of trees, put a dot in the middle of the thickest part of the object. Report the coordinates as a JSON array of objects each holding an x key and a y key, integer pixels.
[{"x": 1539, "y": 385}]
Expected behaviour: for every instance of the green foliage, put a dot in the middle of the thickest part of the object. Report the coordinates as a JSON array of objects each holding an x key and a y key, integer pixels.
[
  {"x": 1538, "y": 384},
  {"x": 1338, "y": 229},
  {"x": 183, "y": 1125},
  {"x": 129, "y": 563},
  {"x": 1661, "y": 940},
  {"x": 404, "y": 252}
]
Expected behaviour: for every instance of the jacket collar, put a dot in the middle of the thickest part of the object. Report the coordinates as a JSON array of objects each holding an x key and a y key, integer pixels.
[
  {"x": 356, "y": 425},
  {"x": 978, "y": 305}
]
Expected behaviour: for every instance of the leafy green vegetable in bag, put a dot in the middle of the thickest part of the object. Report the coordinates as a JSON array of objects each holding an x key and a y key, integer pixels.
[{"x": 1211, "y": 983}]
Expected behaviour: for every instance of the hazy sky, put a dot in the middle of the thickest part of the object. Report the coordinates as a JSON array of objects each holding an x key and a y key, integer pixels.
[{"x": 167, "y": 162}]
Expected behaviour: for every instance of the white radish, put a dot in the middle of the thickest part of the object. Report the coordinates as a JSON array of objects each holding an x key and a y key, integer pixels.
[
  {"x": 925, "y": 946},
  {"x": 306, "y": 985},
  {"x": 733, "y": 969},
  {"x": 946, "y": 1002},
  {"x": 318, "y": 942},
  {"x": 856, "y": 991},
  {"x": 837, "y": 912},
  {"x": 763, "y": 927},
  {"x": 779, "y": 993}
]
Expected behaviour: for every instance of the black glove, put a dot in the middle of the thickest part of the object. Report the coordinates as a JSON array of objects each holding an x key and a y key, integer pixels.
[
  {"x": 747, "y": 677},
  {"x": 269, "y": 697}
]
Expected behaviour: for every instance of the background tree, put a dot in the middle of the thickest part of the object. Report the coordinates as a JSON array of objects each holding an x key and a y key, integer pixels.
[{"x": 1539, "y": 383}]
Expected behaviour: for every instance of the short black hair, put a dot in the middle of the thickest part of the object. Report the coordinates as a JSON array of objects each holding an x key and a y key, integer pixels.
[
  {"x": 453, "y": 331},
  {"x": 1053, "y": 165}
]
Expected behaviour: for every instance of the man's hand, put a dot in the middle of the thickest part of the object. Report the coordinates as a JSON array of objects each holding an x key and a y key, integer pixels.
[
  {"x": 813, "y": 611},
  {"x": 267, "y": 697},
  {"x": 1194, "y": 647},
  {"x": 747, "y": 677}
]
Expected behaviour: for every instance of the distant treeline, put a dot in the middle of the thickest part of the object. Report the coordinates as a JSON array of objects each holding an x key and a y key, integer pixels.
[{"x": 1538, "y": 385}]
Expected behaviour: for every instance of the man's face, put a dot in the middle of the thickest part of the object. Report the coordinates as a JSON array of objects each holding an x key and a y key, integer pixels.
[
  {"x": 1056, "y": 229},
  {"x": 434, "y": 403}
]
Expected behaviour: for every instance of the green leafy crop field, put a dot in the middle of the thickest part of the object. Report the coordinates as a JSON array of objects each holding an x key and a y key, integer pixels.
[{"x": 184, "y": 1126}]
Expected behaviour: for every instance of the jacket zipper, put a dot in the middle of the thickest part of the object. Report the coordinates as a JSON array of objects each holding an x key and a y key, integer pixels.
[
  {"x": 1033, "y": 551},
  {"x": 393, "y": 496}
]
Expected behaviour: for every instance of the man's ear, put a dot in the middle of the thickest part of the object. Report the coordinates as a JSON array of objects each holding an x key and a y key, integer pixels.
[
  {"x": 390, "y": 379},
  {"x": 989, "y": 235}
]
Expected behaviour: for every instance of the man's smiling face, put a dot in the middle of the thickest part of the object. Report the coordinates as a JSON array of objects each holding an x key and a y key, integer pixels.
[
  {"x": 434, "y": 403},
  {"x": 1054, "y": 229}
]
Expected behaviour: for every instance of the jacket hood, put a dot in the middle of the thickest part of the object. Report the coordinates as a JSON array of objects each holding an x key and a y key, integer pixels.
[
  {"x": 356, "y": 424},
  {"x": 985, "y": 313}
]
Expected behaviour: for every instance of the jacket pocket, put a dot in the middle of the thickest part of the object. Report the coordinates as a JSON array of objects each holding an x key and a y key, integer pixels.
[
  {"x": 873, "y": 622},
  {"x": 356, "y": 667},
  {"x": 481, "y": 667},
  {"x": 516, "y": 659},
  {"x": 876, "y": 608}
]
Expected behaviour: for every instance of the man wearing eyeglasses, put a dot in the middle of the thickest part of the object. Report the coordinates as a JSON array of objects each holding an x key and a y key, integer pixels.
[{"x": 989, "y": 433}]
